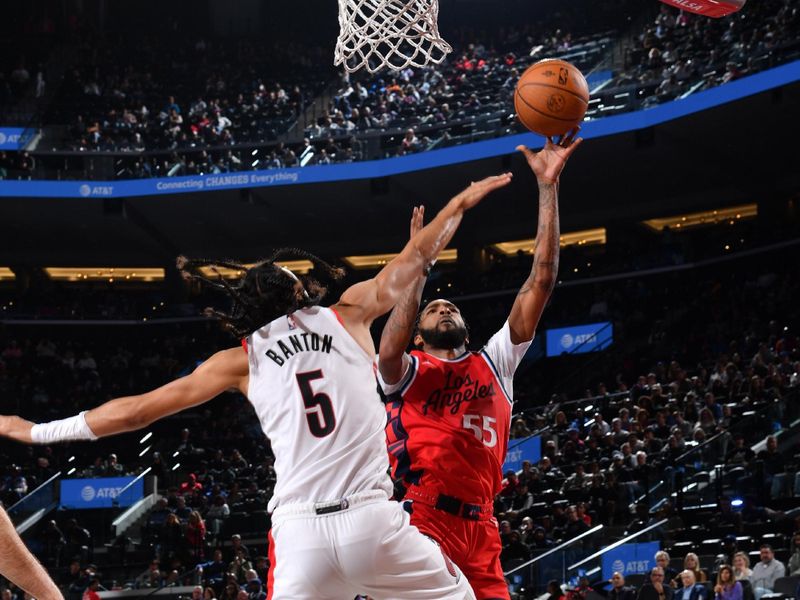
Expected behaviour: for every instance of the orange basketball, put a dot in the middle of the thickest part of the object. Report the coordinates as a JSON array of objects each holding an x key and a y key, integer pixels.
[{"x": 551, "y": 97}]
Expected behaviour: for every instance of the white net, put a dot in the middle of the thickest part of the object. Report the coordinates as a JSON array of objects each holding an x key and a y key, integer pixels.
[{"x": 374, "y": 34}]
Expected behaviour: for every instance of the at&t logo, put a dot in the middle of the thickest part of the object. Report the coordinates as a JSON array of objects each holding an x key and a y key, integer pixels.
[
  {"x": 88, "y": 493},
  {"x": 567, "y": 340},
  {"x": 87, "y": 190},
  {"x": 2, "y": 138},
  {"x": 618, "y": 566}
]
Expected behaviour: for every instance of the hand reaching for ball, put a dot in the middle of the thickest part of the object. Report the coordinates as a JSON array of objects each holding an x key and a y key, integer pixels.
[{"x": 548, "y": 163}]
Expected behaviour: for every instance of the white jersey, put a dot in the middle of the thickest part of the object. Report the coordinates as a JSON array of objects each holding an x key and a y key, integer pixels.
[{"x": 314, "y": 391}]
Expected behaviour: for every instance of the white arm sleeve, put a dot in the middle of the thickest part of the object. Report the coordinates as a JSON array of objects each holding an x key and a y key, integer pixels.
[
  {"x": 391, "y": 388},
  {"x": 66, "y": 430},
  {"x": 505, "y": 356}
]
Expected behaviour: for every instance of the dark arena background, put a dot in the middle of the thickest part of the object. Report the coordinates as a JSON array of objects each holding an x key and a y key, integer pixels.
[{"x": 658, "y": 408}]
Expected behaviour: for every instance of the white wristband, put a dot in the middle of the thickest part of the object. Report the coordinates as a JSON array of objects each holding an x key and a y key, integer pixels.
[{"x": 66, "y": 430}]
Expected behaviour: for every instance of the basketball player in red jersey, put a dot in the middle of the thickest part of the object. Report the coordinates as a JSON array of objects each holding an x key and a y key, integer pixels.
[{"x": 449, "y": 409}]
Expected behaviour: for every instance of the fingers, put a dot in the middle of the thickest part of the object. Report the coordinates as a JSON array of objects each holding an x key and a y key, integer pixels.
[
  {"x": 566, "y": 140},
  {"x": 529, "y": 154},
  {"x": 572, "y": 147}
]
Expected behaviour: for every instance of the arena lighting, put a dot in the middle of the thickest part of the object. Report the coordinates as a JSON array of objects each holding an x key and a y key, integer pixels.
[
  {"x": 301, "y": 267},
  {"x": 376, "y": 261},
  {"x": 110, "y": 274},
  {"x": 737, "y": 502},
  {"x": 587, "y": 237},
  {"x": 146, "y": 437},
  {"x": 6, "y": 274},
  {"x": 707, "y": 217}
]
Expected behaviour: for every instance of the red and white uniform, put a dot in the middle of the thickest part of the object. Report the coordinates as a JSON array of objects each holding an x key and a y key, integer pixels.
[
  {"x": 447, "y": 434},
  {"x": 334, "y": 532}
]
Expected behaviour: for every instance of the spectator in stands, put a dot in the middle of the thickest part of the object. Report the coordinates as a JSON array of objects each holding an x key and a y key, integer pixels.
[
  {"x": 191, "y": 485},
  {"x": 739, "y": 453},
  {"x": 196, "y": 535},
  {"x": 619, "y": 591},
  {"x": 151, "y": 578},
  {"x": 181, "y": 510},
  {"x": 581, "y": 591},
  {"x": 113, "y": 468},
  {"x": 690, "y": 589},
  {"x": 216, "y": 515},
  {"x": 794, "y": 559},
  {"x": 578, "y": 481},
  {"x": 172, "y": 540},
  {"x": 741, "y": 566},
  {"x": 514, "y": 549},
  {"x": 240, "y": 565},
  {"x": 657, "y": 589},
  {"x": 766, "y": 571},
  {"x": 690, "y": 563},
  {"x": 213, "y": 571},
  {"x": 158, "y": 516},
  {"x": 774, "y": 462},
  {"x": 554, "y": 591},
  {"x": 236, "y": 545},
  {"x": 91, "y": 592},
  {"x": 727, "y": 587},
  {"x": 255, "y": 590}
]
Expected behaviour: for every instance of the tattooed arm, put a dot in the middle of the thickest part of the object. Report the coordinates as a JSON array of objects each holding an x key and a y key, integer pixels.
[
  {"x": 535, "y": 292},
  {"x": 400, "y": 326}
]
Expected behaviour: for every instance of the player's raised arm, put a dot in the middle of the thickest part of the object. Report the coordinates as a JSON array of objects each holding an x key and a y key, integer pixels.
[
  {"x": 547, "y": 165},
  {"x": 400, "y": 326},
  {"x": 225, "y": 370},
  {"x": 367, "y": 300}
]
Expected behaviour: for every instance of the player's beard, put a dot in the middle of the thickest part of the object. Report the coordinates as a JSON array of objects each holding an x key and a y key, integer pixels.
[{"x": 445, "y": 339}]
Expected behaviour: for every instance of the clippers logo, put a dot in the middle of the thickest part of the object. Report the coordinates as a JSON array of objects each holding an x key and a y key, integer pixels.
[
  {"x": 555, "y": 103},
  {"x": 563, "y": 75}
]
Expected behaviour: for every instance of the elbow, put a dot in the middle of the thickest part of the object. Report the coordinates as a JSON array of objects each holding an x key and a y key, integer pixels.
[{"x": 545, "y": 282}]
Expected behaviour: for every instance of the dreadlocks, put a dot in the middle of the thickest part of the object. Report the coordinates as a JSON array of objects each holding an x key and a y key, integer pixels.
[{"x": 265, "y": 292}]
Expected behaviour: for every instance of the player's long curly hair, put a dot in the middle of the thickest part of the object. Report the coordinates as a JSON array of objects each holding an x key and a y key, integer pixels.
[{"x": 264, "y": 292}]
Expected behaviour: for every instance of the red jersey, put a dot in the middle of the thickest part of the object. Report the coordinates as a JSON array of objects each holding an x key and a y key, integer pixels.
[{"x": 449, "y": 420}]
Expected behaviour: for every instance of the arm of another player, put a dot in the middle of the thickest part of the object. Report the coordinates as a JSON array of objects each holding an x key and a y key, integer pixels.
[
  {"x": 225, "y": 370},
  {"x": 535, "y": 292},
  {"x": 400, "y": 327},
  {"x": 365, "y": 301},
  {"x": 20, "y": 566}
]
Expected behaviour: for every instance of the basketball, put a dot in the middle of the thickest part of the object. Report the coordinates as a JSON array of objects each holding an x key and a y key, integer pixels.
[{"x": 551, "y": 97}]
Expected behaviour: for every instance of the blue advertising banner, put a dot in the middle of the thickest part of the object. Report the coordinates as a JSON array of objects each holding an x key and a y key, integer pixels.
[
  {"x": 662, "y": 113},
  {"x": 10, "y": 138},
  {"x": 529, "y": 448},
  {"x": 579, "y": 339},
  {"x": 100, "y": 493},
  {"x": 630, "y": 558}
]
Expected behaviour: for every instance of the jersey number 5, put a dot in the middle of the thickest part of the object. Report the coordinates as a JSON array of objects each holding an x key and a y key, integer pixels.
[
  {"x": 474, "y": 422},
  {"x": 319, "y": 410}
]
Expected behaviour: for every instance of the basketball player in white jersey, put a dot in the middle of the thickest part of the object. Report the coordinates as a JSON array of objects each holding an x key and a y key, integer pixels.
[{"x": 308, "y": 372}]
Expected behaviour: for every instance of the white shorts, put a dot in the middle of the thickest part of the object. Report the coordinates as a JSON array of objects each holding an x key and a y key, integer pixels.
[{"x": 368, "y": 548}]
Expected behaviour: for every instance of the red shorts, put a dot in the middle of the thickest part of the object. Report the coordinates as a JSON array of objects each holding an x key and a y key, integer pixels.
[{"x": 473, "y": 545}]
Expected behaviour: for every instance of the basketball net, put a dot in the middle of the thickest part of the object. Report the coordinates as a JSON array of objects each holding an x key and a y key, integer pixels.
[{"x": 396, "y": 34}]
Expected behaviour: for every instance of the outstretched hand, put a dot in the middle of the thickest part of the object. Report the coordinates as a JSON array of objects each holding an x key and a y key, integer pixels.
[
  {"x": 478, "y": 190},
  {"x": 548, "y": 163}
]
